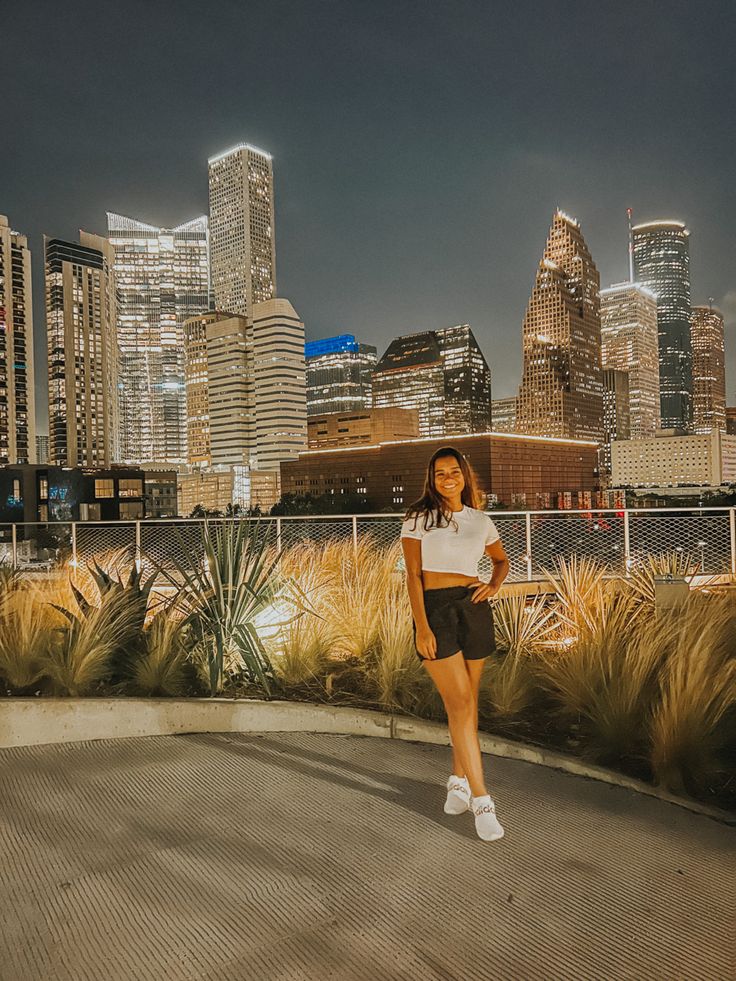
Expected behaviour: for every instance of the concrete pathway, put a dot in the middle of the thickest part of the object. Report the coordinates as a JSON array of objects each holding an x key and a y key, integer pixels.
[{"x": 299, "y": 856}]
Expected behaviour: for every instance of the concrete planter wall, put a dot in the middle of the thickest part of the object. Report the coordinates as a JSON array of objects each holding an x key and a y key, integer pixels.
[{"x": 39, "y": 721}]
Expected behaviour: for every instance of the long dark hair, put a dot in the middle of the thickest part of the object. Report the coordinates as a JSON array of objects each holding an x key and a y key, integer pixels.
[{"x": 432, "y": 503}]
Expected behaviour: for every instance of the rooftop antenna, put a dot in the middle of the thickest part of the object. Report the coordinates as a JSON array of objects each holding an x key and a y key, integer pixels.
[{"x": 631, "y": 247}]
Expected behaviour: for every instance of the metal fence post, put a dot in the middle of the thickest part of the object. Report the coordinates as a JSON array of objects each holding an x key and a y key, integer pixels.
[
  {"x": 355, "y": 535},
  {"x": 14, "y": 535},
  {"x": 138, "y": 545},
  {"x": 74, "y": 544},
  {"x": 278, "y": 535},
  {"x": 732, "y": 527},
  {"x": 528, "y": 546},
  {"x": 627, "y": 543}
]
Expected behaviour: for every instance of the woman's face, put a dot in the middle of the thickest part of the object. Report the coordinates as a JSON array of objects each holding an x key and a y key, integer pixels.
[{"x": 448, "y": 477}]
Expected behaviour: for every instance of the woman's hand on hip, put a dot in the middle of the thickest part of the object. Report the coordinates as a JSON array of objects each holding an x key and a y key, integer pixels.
[
  {"x": 482, "y": 591},
  {"x": 426, "y": 643}
]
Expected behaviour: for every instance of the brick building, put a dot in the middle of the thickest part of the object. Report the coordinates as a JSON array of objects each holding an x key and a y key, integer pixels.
[{"x": 516, "y": 470}]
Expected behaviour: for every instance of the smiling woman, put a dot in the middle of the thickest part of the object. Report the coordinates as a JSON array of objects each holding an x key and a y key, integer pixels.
[{"x": 444, "y": 536}]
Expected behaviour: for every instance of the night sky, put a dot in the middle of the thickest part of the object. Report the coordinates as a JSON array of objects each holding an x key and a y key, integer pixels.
[{"x": 420, "y": 148}]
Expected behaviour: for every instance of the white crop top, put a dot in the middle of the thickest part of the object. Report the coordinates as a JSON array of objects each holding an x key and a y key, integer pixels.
[{"x": 453, "y": 549}]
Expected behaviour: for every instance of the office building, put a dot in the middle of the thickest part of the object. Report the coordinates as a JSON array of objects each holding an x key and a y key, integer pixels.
[
  {"x": 17, "y": 395},
  {"x": 279, "y": 383},
  {"x": 673, "y": 459},
  {"x": 246, "y": 401},
  {"x": 440, "y": 373},
  {"x": 709, "y": 370},
  {"x": 339, "y": 371},
  {"x": 242, "y": 236},
  {"x": 162, "y": 278},
  {"x": 42, "y": 448},
  {"x": 514, "y": 470},
  {"x": 214, "y": 490},
  {"x": 561, "y": 391},
  {"x": 616, "y": 415},
  {"x": 661, "y": 258},
  {"x": 354, "y": 427},
  {"x": 629, "y": 343},
  {"x": 731, "y": 420},
  {"x": 503, "y": 415},
  {"x": 81, "y": 324}
]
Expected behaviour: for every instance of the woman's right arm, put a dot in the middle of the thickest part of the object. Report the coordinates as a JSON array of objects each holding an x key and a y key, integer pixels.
[{"x": 426, "y": 641}]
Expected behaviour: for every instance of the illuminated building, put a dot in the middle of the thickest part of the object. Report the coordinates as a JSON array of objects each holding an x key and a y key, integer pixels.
[
  {"x": 242, "y": 243},
  {"x": 17, "y": 396},
  {"x": 709, "y": 370},
  {"x": 629, "y": 343},
  {"x": 561, "y": 391},
  {"x": 162, "y": 278},
  {"x": 440, "y": 373},
  {"x": 503, "y": 415},
  {"x": 81, "y": 322},
  {"x": 246, "y": 401},
  {"x": 516, "y": 470},
  {"x": 352, "y": 427},
  {"x": 339, "y": 373},
  {"x": 661, "y": 258},
  {"x": 675, "y": 460},
  {"x": 616, "y": 414}
]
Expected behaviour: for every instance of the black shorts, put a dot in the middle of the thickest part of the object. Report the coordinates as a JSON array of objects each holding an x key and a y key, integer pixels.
[{"x": 458, "y": 623}]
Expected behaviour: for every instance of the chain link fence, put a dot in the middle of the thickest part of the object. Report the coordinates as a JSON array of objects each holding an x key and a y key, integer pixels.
[{"x": 533, "y": 540}]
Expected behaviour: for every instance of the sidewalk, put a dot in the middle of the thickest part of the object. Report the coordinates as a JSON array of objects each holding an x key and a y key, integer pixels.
[{"x": 298, "y": 856}]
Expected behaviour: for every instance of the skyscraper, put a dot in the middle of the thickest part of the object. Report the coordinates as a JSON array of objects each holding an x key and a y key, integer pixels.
[
  {"x": 616, "y": 414},
  {"x": 661, "y": 256},
  {"x": 81, "y": 319},
  {"x": 629, "y": 343},
  {"x": 709, "y": 370},
  {"x": 246, "y": 401},
  {"x": 17, "y": 396},
  {"x": 561, "y": 390},
  {"x": 279, "y": 382},
  {"x": 242, "y": 243},
  {"x": 442, "y": 374},
  {"x": 339, "y": 371},
  {"x": 162, "y": 277}
]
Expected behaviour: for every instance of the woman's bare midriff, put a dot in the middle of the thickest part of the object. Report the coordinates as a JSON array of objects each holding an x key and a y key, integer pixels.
[{"x": 442, "y": 580}]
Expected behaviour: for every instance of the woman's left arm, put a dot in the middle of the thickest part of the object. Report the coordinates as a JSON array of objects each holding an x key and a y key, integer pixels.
[{"x": 497, "y": 554}]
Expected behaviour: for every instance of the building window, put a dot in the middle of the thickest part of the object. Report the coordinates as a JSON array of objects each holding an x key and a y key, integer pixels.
[
  {"x": 17, "y": 493},
  {"x": 43, "y": 489},
  {"x": 131, "y": 509},
  {"x": 104, "y": 488},
  {"x": 130, "y": 487}
]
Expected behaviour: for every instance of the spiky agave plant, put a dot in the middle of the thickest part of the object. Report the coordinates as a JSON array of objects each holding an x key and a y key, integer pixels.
[
  {"x": 681, "y": 565},
  {"x": 694, "y": 718},
  {"x": 580, "y": 585},
  {"x": 223, "y": 596}
]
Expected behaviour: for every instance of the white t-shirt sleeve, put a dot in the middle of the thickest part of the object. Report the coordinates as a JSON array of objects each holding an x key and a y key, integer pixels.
[
  {"x": 408, "y": 529},
  {"x": 492, "y": 534}
]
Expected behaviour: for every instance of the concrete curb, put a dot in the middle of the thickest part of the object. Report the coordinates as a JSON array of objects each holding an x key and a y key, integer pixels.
[{"x": 43, "y": 721}]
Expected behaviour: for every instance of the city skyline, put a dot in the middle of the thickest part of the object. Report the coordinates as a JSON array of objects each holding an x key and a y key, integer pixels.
[{"x": 393, "y": 222}]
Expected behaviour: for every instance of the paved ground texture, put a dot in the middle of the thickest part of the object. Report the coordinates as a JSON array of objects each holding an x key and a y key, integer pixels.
[{"x": 298, "y": 856}]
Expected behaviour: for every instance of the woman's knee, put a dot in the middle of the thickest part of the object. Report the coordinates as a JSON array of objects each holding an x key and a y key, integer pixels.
[{"x": 460, "y": 704}]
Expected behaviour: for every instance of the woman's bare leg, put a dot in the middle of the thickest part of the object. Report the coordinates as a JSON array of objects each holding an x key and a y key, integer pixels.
[
  {"x": 475, "y": 672},
  {"x": 460, "y": 698}
]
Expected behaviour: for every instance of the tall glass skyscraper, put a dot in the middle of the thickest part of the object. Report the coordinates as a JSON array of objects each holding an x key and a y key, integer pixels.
[
  {"x": 162, "y": 276},
  {"x": 17, "y": 396},
  {"x": 561, "y": 392},
  {"x": 242, "y": 236},
  {"x": 709, "y": 370},
  {"x": 442, "y": 374},
  {"x": 339, "y": 373},
  {"x": 629, "y": 343},
  {"x": 81, "y": 324},
  {"x": 661, "y": 255}
]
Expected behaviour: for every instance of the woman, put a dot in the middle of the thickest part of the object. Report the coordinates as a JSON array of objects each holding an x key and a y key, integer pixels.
[{"x": 444, "y": 535}]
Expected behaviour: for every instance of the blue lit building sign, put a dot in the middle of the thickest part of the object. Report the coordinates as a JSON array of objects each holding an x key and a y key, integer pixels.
[{"x": 330, "y": 345}]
